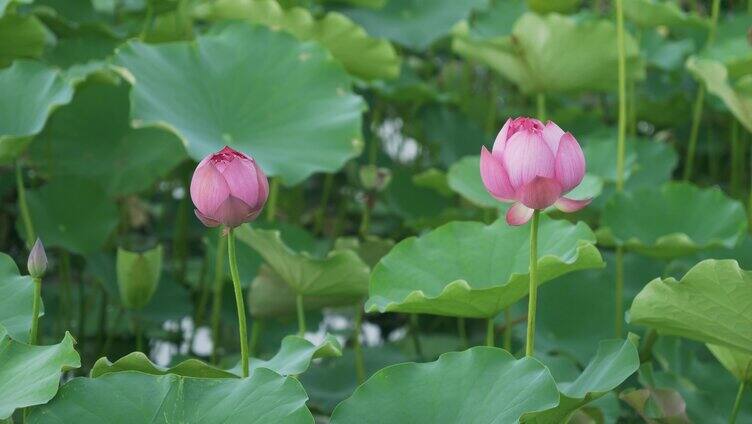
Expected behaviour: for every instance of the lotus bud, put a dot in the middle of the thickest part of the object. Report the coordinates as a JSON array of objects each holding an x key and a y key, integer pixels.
[
  {"x": 533, "y": 166},
  {"x": 138, "y": 275},
  {"x": 37, "y": 262},
  {"x": 374, "y": 178},
  {"x": 228, "y": 188}
]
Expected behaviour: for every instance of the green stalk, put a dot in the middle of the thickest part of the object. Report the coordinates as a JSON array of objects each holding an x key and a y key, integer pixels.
[
  {"x": 622, "y": 77},
  {"x": 415, "y": 334},
  {"x": 243, "y": 331},
  {"x": 508, "y": 329},
  {"x": 533, "y": 297},
  {"x": 360, "y": 367},
  {"x": 35, "y": 310},
  {"x": 365, "y": 219},
  {"x": 148, "y": 21},
  {"x": 462, "y": 332},
  {"x": 738, "y": 401},
  {"x": 301, "y": 314},
  {"x": 736, "y": 159},
  {"x": 219, "y": 276},
  {"x": 321, "y": 212},
  {"x": 256, "y": 327},
  {"x": 619, "y": 310},
  {"x": 66, "y": 279},
  {"x": 699, "y": 100},
  {"x": 540, "y": 100},
  {"x": 271, "y": 204},
  {"x": 138, "y": 331},
  {"x": 24, "y": 207},
  {"x": 490, "y": 332}
]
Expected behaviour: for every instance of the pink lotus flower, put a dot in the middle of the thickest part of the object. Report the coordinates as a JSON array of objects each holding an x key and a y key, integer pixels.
[
  {"x": 228, "y": 188},
  {"x": 533, "y": 166}
]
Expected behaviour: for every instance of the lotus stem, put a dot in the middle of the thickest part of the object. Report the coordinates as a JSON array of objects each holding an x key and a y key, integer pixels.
[
  {"x": 219, "y": 276},
  {"x": 360, "y": 368},
  {"x": 736, "y": 158},
  {"x": 619, "y": 294},
  {"x": 321, "y": 212},
  {"x": 415, "y": 334},
  {"x": 508, "y": 329},
  {"x": 271, "y": 204},
  {"x": 256, "y": 327},
  {"x": 700, "y": 99},
  {"x": 490, "y": 332},
  {"x": 65, "y": 277},
  {"x": 23, "y": 207},
  {"x": 540, "y": 100},
  {"x": 622, "y": 80},
  {"x": 462, "y": 332},
  {"x": 239, "y": 303},
  {"x": 533, "y": 297},
  {"x": 35, "y": 310},
  {"x": 738, "y": 400},
  {"x": 138, "y": 331},
  {"x": 301, "y": 315}
]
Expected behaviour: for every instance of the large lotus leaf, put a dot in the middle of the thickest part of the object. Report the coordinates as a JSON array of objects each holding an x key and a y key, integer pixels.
[
  {"x": 134, "y": 397},
  {"x": 479, "y": 385},
  {"x": 30, "y": 375},
  {"x": 530, "y": 56},
  {"x": 469, "y": 269},
  {"x": 709, "y": 304},
  {"x": 72, "y": 213},
  {"x": 296, "y": 114},
  {"x": 362, "y": 56},
  {"x": 371, "y": 249},
  {"x": 738, "y": 363},
  {"x": 673, "y": 220},
  {"x": 615, "y": 361},
  {"x": 340, "y": 277},
  {"x": 91, "y": 138},
  {"x": 464, "y": 178},
  {"x": 715, "y": 77},
  {"x": 31, "y": 91},
  {"x": 21, "y": 37},
  {"x": 294, "y": 357},
  {"x": 414, "y": 23},
  {"x": 654, "y": 13},
  {"x": 731, "y": 45},
  {"x": 498, "y": 19},
  {"x": 16, "y": 298},
  {"x": 82, "y": 53}
]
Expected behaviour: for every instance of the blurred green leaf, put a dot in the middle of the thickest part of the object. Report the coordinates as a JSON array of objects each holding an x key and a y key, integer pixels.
[
  {"x": 16, "y": 298},
  {"x": 31, "y": 91},
  {"x": 715, "y": 77},
  {"x": 481, "y": 384},
  {"x": 292, "y": 93},
  {"x": 138, "y": 275},
  {"x": 738, "y": 363},
  {"x": 30, "y": 375},
  {"x": 21, "y": 37},
  {"x": 673, "y": 220},
  {"x": 557, "y": 6},
  {"x": 91, "y": 138},
  {"x": 468, "y": 269},
  {"x": 72, "y": 213},
  {"x": 653, "y": 13},
  {"x": 128, "y": 397},
  {"x": 708, "y": 304}
]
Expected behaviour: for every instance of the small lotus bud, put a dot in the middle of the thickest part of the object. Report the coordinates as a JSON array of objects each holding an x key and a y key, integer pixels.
[
  {"x": 374, "y": 178},
  {"x": 37, "y": 262},
  {"x": 138, "y": 275},
  {"x": 228, "y": 188}
]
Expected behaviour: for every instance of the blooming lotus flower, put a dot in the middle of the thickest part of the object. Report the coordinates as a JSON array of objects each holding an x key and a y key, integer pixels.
[
  {"x": 533, "y": 166},
  {"x": 228, "y": 188}
]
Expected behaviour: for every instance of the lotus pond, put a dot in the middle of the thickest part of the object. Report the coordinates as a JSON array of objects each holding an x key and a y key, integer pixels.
[{"x": 375, "y": 211}]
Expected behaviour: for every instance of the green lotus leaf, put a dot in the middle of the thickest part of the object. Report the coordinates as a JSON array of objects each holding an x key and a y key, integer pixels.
[
  {"x": 716, "y": 79},
  {"x": 495, "y": 388},
  {"x": 414, "y": 23},
  {"x": 655, "y": 13},
  {"x": 31, "y": 91},
  {"x": 16, "y": 298},
  {"x": 549, "y": 6},
  {"x": 673, "y": 220},
  {"x": 708, "y": 304},
  {"x": 296, "y": 116},
  {"x": 131, "y": 397},
  {"x": 371, "y": 249},
  {"x": 91, "y": 138},
  {"x": 468, "y": 269},
  {"x": 464, "y": 178},
  {"x": 530, "y": 58},
  {"x": 615, "y": 361},
  {"x": 21, "y": 37},
  {"x": 738, "y": 363},
  {"x": 360, "y": 3},
  {"x": 731, "y": 45},
  {"x": 498, "y": 19},
  {"x": 30, "y": 375},
  {"x": 340, "y": 277},
  {"x": 294, "y": 357},
  {"x": 362, "y": 56},
  {"x": 82, "y": 53},
  {"x": 72, "y": 213}
]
